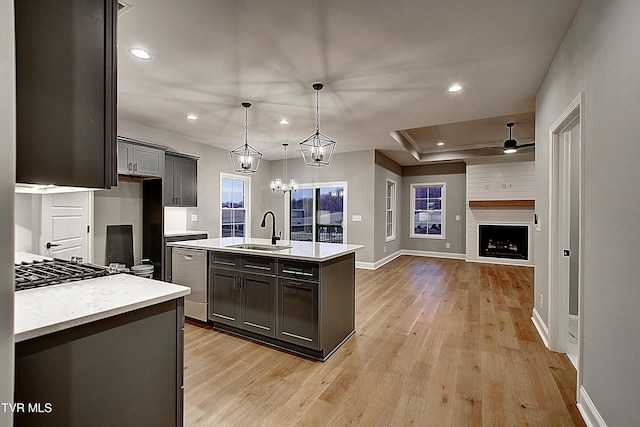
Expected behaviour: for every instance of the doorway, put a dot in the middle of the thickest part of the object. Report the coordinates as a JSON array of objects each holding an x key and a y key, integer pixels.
[{"x": 566, "y": 222}]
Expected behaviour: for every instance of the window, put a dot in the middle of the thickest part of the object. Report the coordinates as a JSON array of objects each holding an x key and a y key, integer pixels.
[
  {"x": 234, "y": 206},
  {"x": 317, "y": 213},
  {"x": 427, "y": 210},
  {"x": 391, "y": 211}
]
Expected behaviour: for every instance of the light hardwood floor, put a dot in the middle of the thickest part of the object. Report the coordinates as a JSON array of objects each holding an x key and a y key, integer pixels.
[{"x": 438, "y": 343}]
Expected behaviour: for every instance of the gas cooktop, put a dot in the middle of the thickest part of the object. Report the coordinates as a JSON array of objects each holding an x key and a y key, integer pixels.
[{"x": 52, "y": 272}]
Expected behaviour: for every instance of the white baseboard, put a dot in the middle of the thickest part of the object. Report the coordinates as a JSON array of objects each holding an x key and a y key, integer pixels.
[
  {"x": 588, "y": 410},
  {"x": 542, "y": 329},
  {"x": 450, "y": 255},
  {"x": 379, "y": 263},
  {"x": 389, "y": 258}
]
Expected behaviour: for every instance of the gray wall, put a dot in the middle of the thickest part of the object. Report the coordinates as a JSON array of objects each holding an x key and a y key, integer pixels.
[
  {"x": 7, "y": 182},
  {"x": 28, "y": 208},
  {"x": 120, "y": 205},
  {"x": 386, "y": 168},
  {"x": 600, "y": 55},
  {"x": 454, "y": 175}
]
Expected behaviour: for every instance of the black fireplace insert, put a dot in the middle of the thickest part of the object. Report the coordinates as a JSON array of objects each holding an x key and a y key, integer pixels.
[{"x": 504, "y": 241}]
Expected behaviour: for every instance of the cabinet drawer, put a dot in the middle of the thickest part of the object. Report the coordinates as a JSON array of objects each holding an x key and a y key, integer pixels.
[
  {"x": 260, "y": 265},
  {"x": 299, "y": 270},
  {"x": 223, "y": 259}
]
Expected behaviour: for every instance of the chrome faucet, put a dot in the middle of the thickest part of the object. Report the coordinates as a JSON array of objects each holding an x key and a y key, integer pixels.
[{"x": 274, "y": 238}]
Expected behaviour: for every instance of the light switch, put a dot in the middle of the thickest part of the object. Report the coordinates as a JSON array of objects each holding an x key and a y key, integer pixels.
[
  {"x": 457, "y": 217},
  {"x": 356, "y": 218}
]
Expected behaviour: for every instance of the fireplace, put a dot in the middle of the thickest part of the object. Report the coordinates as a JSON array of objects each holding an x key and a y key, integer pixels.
[{"x": 503, "y": 241}]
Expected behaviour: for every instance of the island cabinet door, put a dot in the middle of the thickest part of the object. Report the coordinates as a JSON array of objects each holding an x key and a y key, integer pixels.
[
  {"x": 224, "y": 291},
  {"x": 298, "y": 312},
  {"x": 258, "y": 304}
]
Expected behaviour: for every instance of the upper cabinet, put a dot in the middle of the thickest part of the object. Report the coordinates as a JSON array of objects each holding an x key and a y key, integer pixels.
[
  {"x": 139, "y": 159},
  {"x": 66, "y": 92},
  {"x": 180, "y": 180}
]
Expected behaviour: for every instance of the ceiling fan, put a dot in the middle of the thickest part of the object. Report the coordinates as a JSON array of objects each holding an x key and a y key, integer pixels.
[{"x": 511, "y": 145}]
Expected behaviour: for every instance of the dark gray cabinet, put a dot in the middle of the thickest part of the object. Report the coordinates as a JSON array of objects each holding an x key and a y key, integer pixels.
[
  {"x": 140, "y": 160},
  {"x": 223, "y": 296},
  {"x": 122, "y": 370},
  {"x": 304, "y": 306},
  {"x": 298, "y": 312},
  {"x": 242, "y": 293},
  {"x": 66, "y": 92},
  {"x": 181, "y": 180}
]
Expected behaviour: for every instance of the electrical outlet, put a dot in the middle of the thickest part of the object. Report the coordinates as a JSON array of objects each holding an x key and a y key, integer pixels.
[
  {"x": 447, "y": 245},
  {"x": 457, "y": 217},
  {"x": 194, "y": 217},
  {"x": 541, "y": 300},
  {"x": 385, "y": 249}
]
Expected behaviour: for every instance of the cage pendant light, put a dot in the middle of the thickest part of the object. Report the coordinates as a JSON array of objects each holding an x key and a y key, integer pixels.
[
  {"x": 245, "y": 158},
  {"x": 317, "y": 149},
  {"x": 280, "y": 184}
]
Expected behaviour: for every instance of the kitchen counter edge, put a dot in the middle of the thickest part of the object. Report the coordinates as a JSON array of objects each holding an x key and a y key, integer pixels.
[
  {"x": 41, "y": 311},
  {"x": 307, "y": 251}
]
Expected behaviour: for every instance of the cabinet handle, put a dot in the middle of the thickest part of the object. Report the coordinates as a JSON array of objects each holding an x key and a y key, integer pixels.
[
  {"x": 135, "y": 167},
  {"x": 296, "y": 284},
  {"x": 129, "y": 166},
  {"x": 188, "y": 257},
  {"x": 301, "y": 273}
]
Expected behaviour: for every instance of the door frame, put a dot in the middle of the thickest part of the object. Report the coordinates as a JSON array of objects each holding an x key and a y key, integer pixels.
[{"x": 559, "y": 293}]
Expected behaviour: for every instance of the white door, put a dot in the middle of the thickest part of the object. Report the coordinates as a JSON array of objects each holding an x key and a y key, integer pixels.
[
  {"x": 66, "y": 225},
  {"x": 566, "y": 225}
]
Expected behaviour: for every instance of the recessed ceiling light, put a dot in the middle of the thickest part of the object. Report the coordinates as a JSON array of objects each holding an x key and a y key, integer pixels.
[
  {"x": 140, "y": 53},
  {"x": 284, "y": 122},
  {"x": 191, "y": 117},
  {"x": 456, "y": 87},
  {"x": 440, "y": 143}
]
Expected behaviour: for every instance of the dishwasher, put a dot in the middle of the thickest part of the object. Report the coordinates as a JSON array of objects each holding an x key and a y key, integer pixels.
[{"x": 189, "y": 268}]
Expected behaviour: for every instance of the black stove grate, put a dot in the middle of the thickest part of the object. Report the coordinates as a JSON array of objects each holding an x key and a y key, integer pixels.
[{"x": 52, "y": 272}]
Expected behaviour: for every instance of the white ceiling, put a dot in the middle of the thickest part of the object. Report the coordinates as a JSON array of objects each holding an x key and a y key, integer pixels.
[{"x": 386, "y": 66}]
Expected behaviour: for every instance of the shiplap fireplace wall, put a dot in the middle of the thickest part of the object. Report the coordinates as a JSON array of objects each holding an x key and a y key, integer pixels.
[{"x": 499, "y": 192}]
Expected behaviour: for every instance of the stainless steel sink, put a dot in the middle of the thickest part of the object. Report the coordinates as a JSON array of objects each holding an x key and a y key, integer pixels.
[{"x": 255, "y": 247}]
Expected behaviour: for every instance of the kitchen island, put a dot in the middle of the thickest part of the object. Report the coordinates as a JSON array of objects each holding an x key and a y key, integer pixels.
[
  {"x": 101, "y": 351},
  {"x": 297, "y": 296}
]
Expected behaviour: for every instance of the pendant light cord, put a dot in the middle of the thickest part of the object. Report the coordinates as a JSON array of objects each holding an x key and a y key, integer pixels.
[
  {"x": 285, "y": 163},
  {"x": 246, "y": 132},
  {"x": 317, "y": 111}
]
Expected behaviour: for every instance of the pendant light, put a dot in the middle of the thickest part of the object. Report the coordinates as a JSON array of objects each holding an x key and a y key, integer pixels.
[
  {"x": 281, "y": 185},
  {"x": 245, "y": 158},
  {"x": 318, "y": 148}
]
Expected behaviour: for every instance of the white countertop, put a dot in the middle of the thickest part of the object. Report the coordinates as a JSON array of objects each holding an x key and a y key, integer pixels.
[
  {"x": 40, "y": 311},
  {"x": 184, "y": 233},
  {"x": 309, "y": 251}
]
